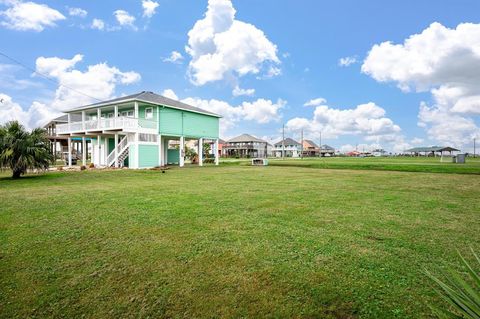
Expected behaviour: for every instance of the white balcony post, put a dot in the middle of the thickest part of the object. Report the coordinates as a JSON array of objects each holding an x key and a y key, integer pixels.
[
  {"x": 200, "y": 151},
  {"x": 181, "y": 155},
  {"x": 136, "y": 110},
  {"x": 216, "y": 151},
  {"x": 69, "y": 152},
  {"x": 99, "y": 116},
  {"x": 115, "y": 115},
  {"x": 105, "y": 146},
  {"x": 137, "y": 151},
  {"x": 117, "y": 164},
  {"x": 84, "y": 151},
  {"x": 83, "y": 121}
]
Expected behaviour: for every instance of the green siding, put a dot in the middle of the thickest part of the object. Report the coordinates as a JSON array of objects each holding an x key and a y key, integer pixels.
[
  {"x": 177, "y": 122},
  {"x": 198, "y": 125},
  {"x": 111, "y": 144},
  {"x": 148, "y": 155},
  {"x": 173, "y": 156}
]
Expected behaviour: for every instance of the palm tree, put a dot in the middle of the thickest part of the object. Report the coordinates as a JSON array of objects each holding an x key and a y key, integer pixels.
[{"x": 21, "y": 150}]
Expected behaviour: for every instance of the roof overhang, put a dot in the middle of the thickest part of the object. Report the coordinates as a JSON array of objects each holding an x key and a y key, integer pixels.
[{"x": 94, "y": 106}]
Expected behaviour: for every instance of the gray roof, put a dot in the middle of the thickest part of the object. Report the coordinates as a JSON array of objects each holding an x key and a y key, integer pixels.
[
  {"x": 149, "y": 97},
  {"x": 64, "y": 118},
  {"x": 245, "y": 138},
  {"x": 327, "y": 147},
  {"x": 287, "y": 141},
  {"x": 432, "y": 149}
]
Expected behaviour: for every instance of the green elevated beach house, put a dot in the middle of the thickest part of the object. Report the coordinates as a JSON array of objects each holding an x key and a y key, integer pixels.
[{"x": 135, "y": 131}]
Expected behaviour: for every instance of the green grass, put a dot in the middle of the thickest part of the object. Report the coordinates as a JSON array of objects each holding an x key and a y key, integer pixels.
[
  {"x": 231, "y": 241},
  {"x": 402, "y": 164}
]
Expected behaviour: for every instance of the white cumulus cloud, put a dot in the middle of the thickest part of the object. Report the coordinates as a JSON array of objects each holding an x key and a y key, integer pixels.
[
  {"x": 315, "y": 102},
  {"x": 98, "y": 24},
  {"x": 125, "y": 19},
  {"x": 367, "y": 121},
  {"x": 97, "y": 82},
  {"x": 221, "y": 46},
  {"x": 175, "y": 57},
  {"x": 149, "y": 8},
  {"x": 238, "y": 91},
  {"x": 347, "y": 61},
  {"x": 77, "y": 12},
  {"x": 443, "y": 61},
  {"x": 29, "y": 16}
]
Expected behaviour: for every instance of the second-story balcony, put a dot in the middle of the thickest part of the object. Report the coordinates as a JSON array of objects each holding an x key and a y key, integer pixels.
[{"x": 119, "y": 124}]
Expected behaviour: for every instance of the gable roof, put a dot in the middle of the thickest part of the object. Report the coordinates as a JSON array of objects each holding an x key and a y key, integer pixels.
[
  {"x": 310, "y": 143},
  {"x": 432, "y": 149},
  {"x": 287, "y": 141},
  {"x": 148, "y": 97},
  {"x": 327, "y": 147},
  {"x": 244, "y": 138}
]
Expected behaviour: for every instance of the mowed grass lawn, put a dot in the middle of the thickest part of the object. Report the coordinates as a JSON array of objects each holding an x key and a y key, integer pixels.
[
  {"x": 231, "y": 241},
  {"x": 402, "y": 164}
]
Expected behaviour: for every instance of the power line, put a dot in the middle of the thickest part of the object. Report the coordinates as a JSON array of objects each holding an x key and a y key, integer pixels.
[{"x": 46, "y": 76}]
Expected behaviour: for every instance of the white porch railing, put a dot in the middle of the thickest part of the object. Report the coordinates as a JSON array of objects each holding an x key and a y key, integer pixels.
[{"x": 119, "y": 123}]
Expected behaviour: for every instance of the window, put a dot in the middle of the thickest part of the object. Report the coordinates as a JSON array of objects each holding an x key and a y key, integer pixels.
[
  {"x": 110, "y": 115},
  {"x": 130, "y": 114},
  {"x": 149, "y": 113},
  {"x": 93, "y": 117}
]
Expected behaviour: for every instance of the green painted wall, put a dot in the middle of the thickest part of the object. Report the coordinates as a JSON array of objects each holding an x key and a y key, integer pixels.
[
  {"x": 173, "y": 156},
  {"x": 148, "y": 155},
  {"x": 177, "y": 122},
  {"x": 111, "y": 144}
]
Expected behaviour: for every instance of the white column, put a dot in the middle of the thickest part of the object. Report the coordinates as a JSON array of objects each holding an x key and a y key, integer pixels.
[
  {"x": 99, "y": 152},
  {"x": 84, "y": 151},
  {"x": 99, "y": 116},
  {"x": 69, "y": 152},
  {"x": 136, "y": 110},
  {"x": 216, "y": 152},
  {"x": 165, "y": 151},
  {"x": 117, "y": 164},
  {"x": 181, "y": 155},
  {"x": 105, "y": 150},
  {"x": 137, "y": 151},
  {"x": 115, "y": 115},
  {"x": 83, "y": 120},
  {"x": 200, "y": 151},
  {"x": 160, "y": 152}
]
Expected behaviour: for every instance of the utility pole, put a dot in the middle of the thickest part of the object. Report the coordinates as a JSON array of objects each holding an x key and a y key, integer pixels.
[
  {"x": 301, "y": 155},
  {"x": 474, "y": 146},
  {"x": 283, "y": 141}
]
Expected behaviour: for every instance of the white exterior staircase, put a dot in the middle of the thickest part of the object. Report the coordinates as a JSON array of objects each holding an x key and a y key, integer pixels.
[{"x": 122, "y": 152}]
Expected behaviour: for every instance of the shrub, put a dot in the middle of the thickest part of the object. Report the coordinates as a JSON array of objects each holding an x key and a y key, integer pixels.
[
  {"x": 91, "y": 165},
  {"x": 60, "y": 168},
  {"x": 83, "y": 167}
]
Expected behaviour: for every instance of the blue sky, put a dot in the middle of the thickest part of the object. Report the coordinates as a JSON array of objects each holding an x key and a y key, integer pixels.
[{"x": 288, "y": 52}]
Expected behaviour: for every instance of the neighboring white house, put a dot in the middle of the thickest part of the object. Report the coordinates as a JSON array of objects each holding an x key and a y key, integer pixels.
[{"x": 289, "y": 147}]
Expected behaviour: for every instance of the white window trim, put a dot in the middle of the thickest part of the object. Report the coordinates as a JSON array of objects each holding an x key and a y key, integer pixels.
[{"x": 151, "y": 115}]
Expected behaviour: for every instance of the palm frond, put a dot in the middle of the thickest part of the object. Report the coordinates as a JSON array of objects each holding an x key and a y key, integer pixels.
[{"x": 461, "y": 294}]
